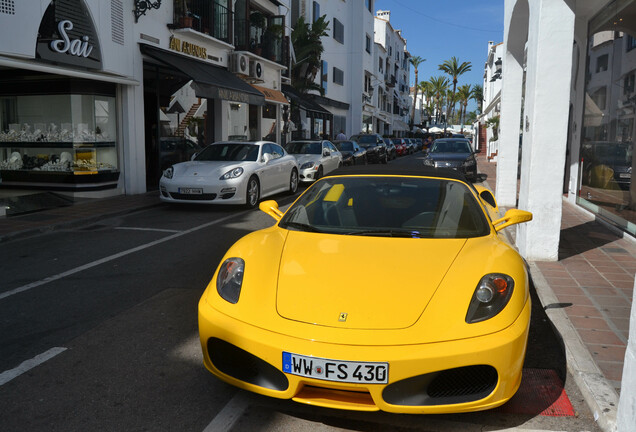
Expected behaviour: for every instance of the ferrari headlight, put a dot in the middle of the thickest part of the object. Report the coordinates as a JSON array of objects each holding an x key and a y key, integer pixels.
[
  {"x": 168, "y": 173},
  {"x": 490, "y": 297},
  {"x": 230, "y": 279},
  {"x": 429, "y": 162},
  {"x": 231, "y": 174},
  {"x": 307, "y": 165}
]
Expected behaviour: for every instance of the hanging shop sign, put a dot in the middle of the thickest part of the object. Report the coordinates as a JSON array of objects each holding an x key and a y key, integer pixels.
[
  {"x": 188, "y": 48},
  {"x": 67, "y": 35}
]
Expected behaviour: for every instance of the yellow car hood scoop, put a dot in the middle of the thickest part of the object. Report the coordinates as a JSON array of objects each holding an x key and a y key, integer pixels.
[{"x": 360, "y": 282}]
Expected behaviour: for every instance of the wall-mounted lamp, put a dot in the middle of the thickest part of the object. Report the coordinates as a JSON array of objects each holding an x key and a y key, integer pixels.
[{"x": 142, "y": 6}]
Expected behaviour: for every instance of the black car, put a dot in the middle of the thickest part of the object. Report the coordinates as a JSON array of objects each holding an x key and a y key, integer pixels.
[
  {"x": 352, "y": 153},
  {"x": 390, "y": 148},
  {"x": 453, "y": 153},
  {"x": 176, "y": 149},
  {"x": 374, "y": 145}
]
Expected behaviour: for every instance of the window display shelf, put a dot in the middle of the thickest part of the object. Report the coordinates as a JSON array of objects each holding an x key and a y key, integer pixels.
[{"x": 56, "y": 144}]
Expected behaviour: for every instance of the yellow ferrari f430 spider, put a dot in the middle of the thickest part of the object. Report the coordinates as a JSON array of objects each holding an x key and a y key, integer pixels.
[{"x": 442, "y": 329}]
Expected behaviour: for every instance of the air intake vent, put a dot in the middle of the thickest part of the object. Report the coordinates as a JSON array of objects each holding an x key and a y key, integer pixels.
[
  {"x": 117, "y": 21},
  {"x": 7, "y": 7}
]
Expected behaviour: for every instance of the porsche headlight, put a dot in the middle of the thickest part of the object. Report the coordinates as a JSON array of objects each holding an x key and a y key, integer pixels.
[
  {"x": 230, "y": 279},
  {"x": 307, "y": 165},
  {"x": 490, "y": 297},
  {"x": 231, "y": 174},
  {"x": 429, "y": 162},
  {"x": 168, "y": 173}
]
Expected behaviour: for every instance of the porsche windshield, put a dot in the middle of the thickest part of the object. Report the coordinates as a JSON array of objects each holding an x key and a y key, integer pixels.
[
  {"x": 413, "y": 207},
  {"x": 304, "y": 147},
  {"x": 229, "y": 152}
]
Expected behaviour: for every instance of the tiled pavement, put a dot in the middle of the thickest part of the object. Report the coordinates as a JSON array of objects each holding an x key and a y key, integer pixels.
[{"x": 592, "y": 283}]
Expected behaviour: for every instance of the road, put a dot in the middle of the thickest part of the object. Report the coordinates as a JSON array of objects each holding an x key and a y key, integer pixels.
[{"x": 98, "y": 331}]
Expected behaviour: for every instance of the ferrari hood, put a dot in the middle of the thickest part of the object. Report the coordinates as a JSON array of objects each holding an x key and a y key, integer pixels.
[{"x": 360, "y": 282}]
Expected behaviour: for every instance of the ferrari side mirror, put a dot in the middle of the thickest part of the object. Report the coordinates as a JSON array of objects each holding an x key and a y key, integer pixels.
[
  {"x": 271, "y": 208},
  {"x": 512, "y": 217}
]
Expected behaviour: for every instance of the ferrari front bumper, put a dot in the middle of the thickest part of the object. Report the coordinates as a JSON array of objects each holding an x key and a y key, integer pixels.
[{"x": 455, "y": 376}]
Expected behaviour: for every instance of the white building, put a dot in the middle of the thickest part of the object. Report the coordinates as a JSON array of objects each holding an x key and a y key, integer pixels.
[
  {"x": 95, "y": 95},
  {"x": 568, "y": 93},
  {"x": 396, "y": 74},
  {"x": 486, "y": 140}
]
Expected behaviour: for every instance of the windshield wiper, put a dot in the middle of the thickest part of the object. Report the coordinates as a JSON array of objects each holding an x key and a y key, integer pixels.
[
  {"x": 302, "y": 227},
  {"x": 388, "y": 233}
]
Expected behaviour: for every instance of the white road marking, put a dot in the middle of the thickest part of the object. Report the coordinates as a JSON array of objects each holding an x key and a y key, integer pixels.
[
  {"x": 230, "y": 414},
  {"x": 147, "y": 229},
  {"x": 27, "y": 365},
  {"x": 110, "y": 258}
]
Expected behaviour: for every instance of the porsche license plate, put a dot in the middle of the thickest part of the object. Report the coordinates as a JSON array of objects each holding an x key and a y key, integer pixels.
[
  {"x": 336, "y": 370},
  {"x": 191, "y": 191}
]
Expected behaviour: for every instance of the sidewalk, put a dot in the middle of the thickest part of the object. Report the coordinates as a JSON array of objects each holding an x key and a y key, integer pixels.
[{"x": 587, "y": 294}]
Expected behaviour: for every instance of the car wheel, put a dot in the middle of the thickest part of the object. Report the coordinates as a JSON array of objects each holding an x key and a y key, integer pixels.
[
  {"x": 253, "y": 193},
  {"x": 365, "y": 160},
  {"x": 293, "y": 181},
  {"x": 319, "y": 173},
  {"x": 386, "y": 159}
]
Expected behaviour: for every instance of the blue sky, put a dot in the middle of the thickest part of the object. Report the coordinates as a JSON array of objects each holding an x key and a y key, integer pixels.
[{"x": 439, "y": 30}]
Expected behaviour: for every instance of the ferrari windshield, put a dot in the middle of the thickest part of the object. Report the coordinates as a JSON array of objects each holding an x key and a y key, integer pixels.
[
  {"x": 304, "y": 147},
  {"x": 416, "y": 207},
  {"x": 229, "y": 152}
]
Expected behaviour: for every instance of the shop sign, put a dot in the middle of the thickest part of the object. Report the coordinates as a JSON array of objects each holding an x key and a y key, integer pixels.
[
  {"x": 188, "y": 48},
  {"x": 67, "y": 35},
  {"x": 233, "y": 96}
]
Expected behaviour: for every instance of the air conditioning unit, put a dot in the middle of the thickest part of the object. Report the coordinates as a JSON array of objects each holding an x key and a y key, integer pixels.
[
  {"x": 256, "y": 69},
  {"x": 240, "y": 63}
]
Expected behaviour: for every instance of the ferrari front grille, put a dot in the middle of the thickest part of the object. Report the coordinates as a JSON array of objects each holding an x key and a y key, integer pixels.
[{"x": 451, "y": 386}]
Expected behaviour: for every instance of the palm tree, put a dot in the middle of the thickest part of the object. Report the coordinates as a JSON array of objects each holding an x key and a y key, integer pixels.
[
  {"x": 478, "y": 96},
  {"x": 308, "y": 48},
  {"x": 464, "y": 94},
  {"x": 453, "y": 68},
  {"x": 439, "y": 86},
  {"x": 415, "y": 61},
  {"x": 427, "y": 91}
]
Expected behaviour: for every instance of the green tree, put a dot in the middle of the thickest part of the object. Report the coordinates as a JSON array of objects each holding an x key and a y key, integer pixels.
[
  {"x": 427, "y": 90},
  {"x": 439, "y": 87},
  {"x": 478, "y": 96},
  {"x": 308, "y": 48},
  {"x": 415, "y": 62},
  {"x": 464, "y": 94},
  {"x": 454, "y": 69}
]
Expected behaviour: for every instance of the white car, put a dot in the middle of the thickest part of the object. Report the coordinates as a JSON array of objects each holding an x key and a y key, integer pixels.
[
  {"x": 231, "y": 173},
  {"x": 315, "y": 158}
]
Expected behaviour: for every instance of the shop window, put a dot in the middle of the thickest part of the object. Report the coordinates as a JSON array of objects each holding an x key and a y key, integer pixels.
[{"x": 338, "y": 31}]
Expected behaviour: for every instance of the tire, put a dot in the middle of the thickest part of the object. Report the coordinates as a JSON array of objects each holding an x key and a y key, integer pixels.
[
  {"x": 319, "y": 173},
  {"x": 253, "y": 193},
  {"x": 293, "y": 181},
  {"x": 386, "y": 159}
]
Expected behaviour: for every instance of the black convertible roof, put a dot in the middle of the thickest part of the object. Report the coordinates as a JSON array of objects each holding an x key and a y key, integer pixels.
[{"x": 399, "y": 170}]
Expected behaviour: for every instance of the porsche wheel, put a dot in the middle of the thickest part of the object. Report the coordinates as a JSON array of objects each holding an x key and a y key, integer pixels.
[
  {"x": 253, "y": 194},
  {"x": 293, "y": 181}
]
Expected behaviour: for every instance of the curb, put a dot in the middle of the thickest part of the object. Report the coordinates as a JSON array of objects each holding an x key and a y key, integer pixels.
[{"x": 600, "y": 396}]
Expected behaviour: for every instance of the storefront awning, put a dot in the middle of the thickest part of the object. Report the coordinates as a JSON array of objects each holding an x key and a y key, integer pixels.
[
  {"x": 271, "y": 95},
  {"x": 209, "y": 81},
  {"x": 304, "y": 102}
]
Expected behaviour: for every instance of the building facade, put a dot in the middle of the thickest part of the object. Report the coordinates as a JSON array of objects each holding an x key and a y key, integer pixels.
[
  {"x": 97, "y": 98},
  {"x": 487, "y": 137}
]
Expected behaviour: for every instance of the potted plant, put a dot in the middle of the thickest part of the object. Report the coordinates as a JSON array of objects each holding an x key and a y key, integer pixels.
[{"x": 183, "y": 13}]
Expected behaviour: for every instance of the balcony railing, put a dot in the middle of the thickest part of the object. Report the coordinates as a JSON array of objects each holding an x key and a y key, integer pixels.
[
  {"x": 266, "y": 41},
  {"x": 205, "y": 16}
]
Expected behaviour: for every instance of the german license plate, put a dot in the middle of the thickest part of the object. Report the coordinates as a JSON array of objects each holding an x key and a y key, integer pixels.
[
  {"x": 191, "y": 191},
  {"x": 336, "y": 370}
]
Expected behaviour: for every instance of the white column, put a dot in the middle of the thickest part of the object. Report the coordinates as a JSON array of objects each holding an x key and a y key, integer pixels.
[
  {"x": 626, "y": 415},
  {"x": 131, "y": 134},
  {"x": 508, "y": 154},
  {"x": 545, "y": 122}
]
